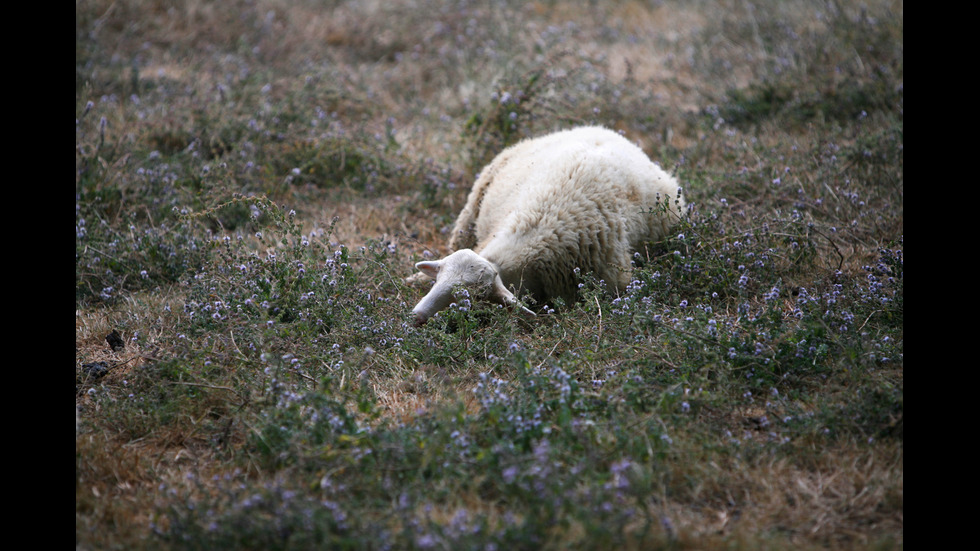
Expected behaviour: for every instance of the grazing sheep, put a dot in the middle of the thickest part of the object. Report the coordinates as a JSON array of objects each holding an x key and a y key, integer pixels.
[{"x": 584, "y": 198}]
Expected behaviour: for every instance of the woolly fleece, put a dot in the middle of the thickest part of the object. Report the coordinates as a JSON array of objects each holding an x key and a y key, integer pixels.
[{"x": 583, "y": 198}]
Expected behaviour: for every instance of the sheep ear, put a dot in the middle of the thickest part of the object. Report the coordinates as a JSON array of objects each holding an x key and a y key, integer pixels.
[
  {"x": 429, "y": 267},
  {"x": 501, "y": 294}
]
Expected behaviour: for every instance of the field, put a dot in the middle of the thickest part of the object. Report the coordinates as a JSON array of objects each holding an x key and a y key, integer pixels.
[{"x": 255, "y": 179}]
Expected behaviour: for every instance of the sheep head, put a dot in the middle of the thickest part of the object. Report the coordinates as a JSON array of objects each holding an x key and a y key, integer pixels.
[{"x": 462, "y": 269}]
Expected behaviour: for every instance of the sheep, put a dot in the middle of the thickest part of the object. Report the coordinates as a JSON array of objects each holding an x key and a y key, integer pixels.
[{"x": 584, "y": 198}]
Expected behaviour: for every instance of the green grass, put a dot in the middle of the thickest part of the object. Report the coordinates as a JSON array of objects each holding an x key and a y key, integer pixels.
[{"x": 254, "y": 183}]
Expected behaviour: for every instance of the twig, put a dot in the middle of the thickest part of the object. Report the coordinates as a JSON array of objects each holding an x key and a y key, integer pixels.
[
  {"x": 552, "y": 351},
  {"x": 235, "y": 345},
  {"x": 598, "y": 341},
  {"x": 215, "y": 387},
  {"x": 866, "y": 320}
]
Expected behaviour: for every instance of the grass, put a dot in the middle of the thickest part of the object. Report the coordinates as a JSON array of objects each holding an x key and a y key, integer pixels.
[{"x": 255, "y": 180}]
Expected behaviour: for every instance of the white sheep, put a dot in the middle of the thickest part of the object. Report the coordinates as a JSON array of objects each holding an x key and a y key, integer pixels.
[{"x": 584, "y": 198}]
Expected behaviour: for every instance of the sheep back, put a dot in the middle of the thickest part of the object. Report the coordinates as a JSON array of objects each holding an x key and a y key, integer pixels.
[{"x": 584, "y": 198}]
